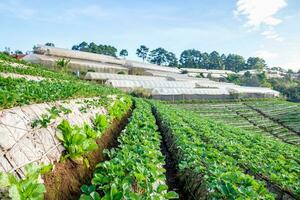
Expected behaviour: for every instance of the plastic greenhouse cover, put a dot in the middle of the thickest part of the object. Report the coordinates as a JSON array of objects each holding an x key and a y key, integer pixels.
[
  {"x": 243, "y": 89},
  {"x": 66, "y": 53},
  {"x": 150, "y": 84},
  {"x": 194, "y": 70},
  {"x": 148, "y": 66},
  {"x": 109, "y": 76},
  {"x": 177, "y": 91},
  {"x": 37, "y": 57}
]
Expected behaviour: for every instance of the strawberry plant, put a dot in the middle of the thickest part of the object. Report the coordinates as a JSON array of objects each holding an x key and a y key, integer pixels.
[
  {"x": 135, "y": 170},
  {"x": 100, "y": 123},
  {"x": 76, "y": 140},
  {"x": 80, "y": 140},
  {"x": 19, "y": 91},
  {"x": 54, "y": 112},
  {"x": 119, "y": 107},
  {"x": 206, "y": 171},
  {"x": 275, "y": 160},
  {"x": 29, "y": 187}
]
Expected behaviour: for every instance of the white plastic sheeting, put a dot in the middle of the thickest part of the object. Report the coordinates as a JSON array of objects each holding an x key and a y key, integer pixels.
[
  {"x": 169, "y": 75},
  {"x": 76, "y": 64},
  {"x": 66, "y": 53},
  {"x": 148, "y": 66},
  {"x": 27, "y": 77},
  {"x": 20, "y": 144},
  {"x": 200, "y": 91},
  {"x": 213, "y": 84},
  {"x": 13, "y": 64},
  {"x": 253, "y": 90},
  {"x": 108, "y": 76},
  {"x": 130, "y": 84},
  {"x": 173, "y": 94},
  {"x": 208, "y": 71}
]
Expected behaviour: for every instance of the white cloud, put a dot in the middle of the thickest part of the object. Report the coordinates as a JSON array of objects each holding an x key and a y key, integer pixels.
[
  {"x": 17, "y": 8},
  {"x": 271, "y": 34},
  {"x": 260, "y": 14},
  {"x": 266, "y": 54}
]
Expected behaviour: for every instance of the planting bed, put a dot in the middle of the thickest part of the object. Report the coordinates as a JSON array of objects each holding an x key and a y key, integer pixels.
[
  {"x": 104, "y": 144},
  {"x": 135, "y": 169},
  {"x": 244, "y": 116},
  {"x": 233, "y": 153}
]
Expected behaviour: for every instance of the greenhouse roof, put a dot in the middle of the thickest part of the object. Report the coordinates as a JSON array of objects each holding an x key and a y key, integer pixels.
[
  {"x": 180, "y": 91},
  {"x": 36, "y": 58},
  {"x": 67, "y": 53},
  {"x": 109, "y": 76},
  {"x": 257, "y": 90},
  {"x": 171, "y": 75},
  {"x": 150, "y": 84},
  {"x": 148, "y": 66},
  {"x": 213, "y": 71}
]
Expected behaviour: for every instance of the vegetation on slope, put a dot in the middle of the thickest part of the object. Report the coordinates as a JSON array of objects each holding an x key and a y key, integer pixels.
[
  {"x": 256, "y": 116},
  {"x": 30, "y": 187},
  {"x": 135, "y": 169},
  {"x": 16, "y": 92},
  {"x": 206, "y": 172},
  {"x": 276, "y": 161}
]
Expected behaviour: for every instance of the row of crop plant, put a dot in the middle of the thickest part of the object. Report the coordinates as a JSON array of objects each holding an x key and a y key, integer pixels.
[
  {"x": 12, "y": 65},
  {"x": 16, "y": 92},
  {"x": 54, "y": 85},
  {"x": 78, "y": 141},
  {"x": 217, "y": 161},
  {"x": 240, "y": 115},
  {"x": 135, "y": 169},
  {"x": 286, "y": 113}
]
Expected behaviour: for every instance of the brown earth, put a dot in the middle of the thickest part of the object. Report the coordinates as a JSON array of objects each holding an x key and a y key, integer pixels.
[{"x": 65, "y": 180}]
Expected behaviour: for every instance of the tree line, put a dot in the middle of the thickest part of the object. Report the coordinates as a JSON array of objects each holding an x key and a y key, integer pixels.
[{"x": 190, "y": 58}]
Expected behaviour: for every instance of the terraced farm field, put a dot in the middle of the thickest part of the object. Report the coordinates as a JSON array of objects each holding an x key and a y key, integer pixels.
[
  {"x": 273, "y": 118},
  {"x": 90, "y": 142}
]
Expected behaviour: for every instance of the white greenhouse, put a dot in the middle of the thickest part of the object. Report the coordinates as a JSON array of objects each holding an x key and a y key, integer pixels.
[
  {"x": 253, "y": 92},
  {"x": 76, "y": 64},
  {"x": 58, "y": 53},
  {"x": 107, "y": 76},
  {"x": 67, "y": 53},
  {"x": 130, "y": 84},
  {"x": 187, "y": 94}
]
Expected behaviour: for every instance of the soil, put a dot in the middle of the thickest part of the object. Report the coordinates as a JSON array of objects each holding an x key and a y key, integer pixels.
[
  {"x": 65, "y": 180},
  {"x": 173, "y": 181}
]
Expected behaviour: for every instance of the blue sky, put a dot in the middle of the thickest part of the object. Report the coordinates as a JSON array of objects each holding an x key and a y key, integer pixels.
[{"x": 265, "y": 28}]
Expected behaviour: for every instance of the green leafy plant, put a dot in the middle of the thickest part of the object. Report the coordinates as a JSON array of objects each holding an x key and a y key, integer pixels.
[
  {"x": 203, "y": 165},
  {"x": 120, "y": 107},
  {"x": 76, "y": 140},
  {"x": 80, "y": 140},
  {"x": 63, "y": 63},
  {"x": 54, "y": 112},
  {"x": 19, "y": 91},
  {"x": 135, "y": 169},
  {"x": 89, "y": 193},
  {"x": 100, "y": 123},
  {"x": 27, "y": 188}
]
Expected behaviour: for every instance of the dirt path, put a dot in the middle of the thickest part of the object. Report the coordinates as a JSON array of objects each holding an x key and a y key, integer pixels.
[{"x": 173, "y": 181}]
